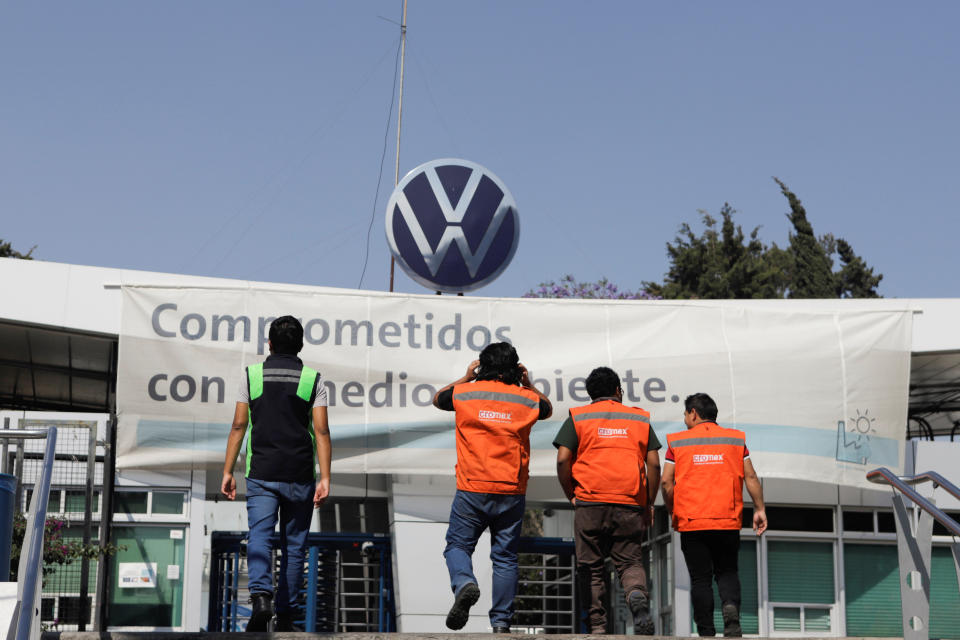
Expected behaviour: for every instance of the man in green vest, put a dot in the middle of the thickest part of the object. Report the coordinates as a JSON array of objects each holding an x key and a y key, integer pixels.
[{"x": 285, "y": 404}]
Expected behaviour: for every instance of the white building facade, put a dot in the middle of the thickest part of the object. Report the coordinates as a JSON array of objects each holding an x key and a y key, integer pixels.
[{"x": 84, "y": 343}]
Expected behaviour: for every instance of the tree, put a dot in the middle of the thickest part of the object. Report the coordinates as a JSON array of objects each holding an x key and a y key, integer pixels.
[
  {"x": 722, "y": 263},
  {"x": 568, "y": 287},
  {"x": 725, "y": 263},
  {"x": 57, "y": 549},
  {"x": 855, "y": 278},
  {"x": 7, "y": 251}
]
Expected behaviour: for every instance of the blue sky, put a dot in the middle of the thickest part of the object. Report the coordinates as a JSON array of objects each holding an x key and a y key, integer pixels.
[{"x": 244, "y": 139}]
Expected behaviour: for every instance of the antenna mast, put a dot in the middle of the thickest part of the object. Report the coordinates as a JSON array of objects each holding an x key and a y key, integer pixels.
[{"x": 396, "y": 175}]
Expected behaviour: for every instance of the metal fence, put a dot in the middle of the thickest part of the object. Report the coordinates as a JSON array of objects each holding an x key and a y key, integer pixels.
[
  {"x": 68, "y": 596},
  {"x": 547, "y": 599},
  {"x": 347, "y": 585}
]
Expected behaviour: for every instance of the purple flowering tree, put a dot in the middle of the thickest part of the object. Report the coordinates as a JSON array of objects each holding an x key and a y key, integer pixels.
[{"x": 568, "y": 287}]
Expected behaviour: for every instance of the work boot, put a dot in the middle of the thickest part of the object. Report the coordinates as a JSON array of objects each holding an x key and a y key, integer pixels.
[
  {"x": 262, "y": 611},
  {"x": 285, "y": 621},
  {"x": 460, "y": 611},
  {"x": 640, "y": 607},
  {"x": 731, "y": 621}
]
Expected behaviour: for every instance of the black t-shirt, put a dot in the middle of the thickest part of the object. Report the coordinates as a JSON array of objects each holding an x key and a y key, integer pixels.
[{"x": 445, "y": 402}]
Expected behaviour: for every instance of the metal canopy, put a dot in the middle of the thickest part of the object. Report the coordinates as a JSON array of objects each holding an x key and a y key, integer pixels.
[
  {"x": 934, "y": 394},
  {"x": 56, "y": 369}
]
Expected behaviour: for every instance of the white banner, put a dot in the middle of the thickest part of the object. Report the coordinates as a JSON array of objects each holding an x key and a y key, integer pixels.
[{"x": 820, "y": 394}]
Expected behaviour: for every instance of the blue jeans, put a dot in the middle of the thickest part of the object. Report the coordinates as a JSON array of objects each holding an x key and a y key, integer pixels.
[
  {"x": 294, "y": 501},
  {"x": 470, "y": 514}
]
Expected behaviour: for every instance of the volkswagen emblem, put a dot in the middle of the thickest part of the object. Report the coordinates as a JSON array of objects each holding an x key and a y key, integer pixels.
[{"x": 452, "y": 225}]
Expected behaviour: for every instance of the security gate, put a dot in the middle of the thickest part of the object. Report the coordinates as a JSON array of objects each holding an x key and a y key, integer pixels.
[
  {"x": 546, "y": 595},
  {"x": 347, "y": 587}
]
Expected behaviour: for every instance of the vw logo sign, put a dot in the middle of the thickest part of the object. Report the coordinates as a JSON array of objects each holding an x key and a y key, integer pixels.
[{"x": 452, "y": 225}]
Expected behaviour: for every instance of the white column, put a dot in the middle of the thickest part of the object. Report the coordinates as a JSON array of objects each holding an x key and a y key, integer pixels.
[{"x": 419, "y": 512}]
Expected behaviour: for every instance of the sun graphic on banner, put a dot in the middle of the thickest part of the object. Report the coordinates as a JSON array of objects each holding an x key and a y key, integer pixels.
[{"x": 863, "y": 423}]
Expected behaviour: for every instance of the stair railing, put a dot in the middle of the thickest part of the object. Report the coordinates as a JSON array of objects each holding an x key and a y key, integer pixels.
[
  {"x": 915, "y": 544},
  {"x": 25, "y": 624}
]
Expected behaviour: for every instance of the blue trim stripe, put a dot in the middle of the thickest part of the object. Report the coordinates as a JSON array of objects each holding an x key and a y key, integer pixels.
[{"x": 212, "y": 436}]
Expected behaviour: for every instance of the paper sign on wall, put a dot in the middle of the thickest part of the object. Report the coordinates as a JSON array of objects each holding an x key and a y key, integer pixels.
[{"x": 137, "y": 575}]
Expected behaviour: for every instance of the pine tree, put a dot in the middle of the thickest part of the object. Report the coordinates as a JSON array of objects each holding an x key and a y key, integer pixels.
[
  {"x": 812, "y": 269},
  {"x": 7, "y": 251}
]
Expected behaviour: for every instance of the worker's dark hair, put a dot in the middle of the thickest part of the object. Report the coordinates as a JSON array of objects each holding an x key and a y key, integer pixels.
[
  {"x": 704, "y": 404},
  {"x": 286, "y": 336},
  {"x": 602, "y": 382},
  {"x": 499, "y": 361}
]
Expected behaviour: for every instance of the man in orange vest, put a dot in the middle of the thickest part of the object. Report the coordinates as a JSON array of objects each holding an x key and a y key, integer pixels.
[
  {"x": 496, "y": 406},
  {"x": 706, "y": 468},
  {"x": 608, "y": 463}
]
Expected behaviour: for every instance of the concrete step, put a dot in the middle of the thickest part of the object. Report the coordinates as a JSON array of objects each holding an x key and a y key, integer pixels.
[{"x": 170, "y": 635}]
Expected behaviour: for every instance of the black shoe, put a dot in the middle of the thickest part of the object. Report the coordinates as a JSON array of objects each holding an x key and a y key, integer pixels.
[
  {"x": 262, "y": 611},
  {"x": 285, "y": 621},
  {"x": 460, "y": 611},
  {"x": 640, "y": 607},
  {"x": 501, "y": 629},
  {"x": 731, "y": 621}
]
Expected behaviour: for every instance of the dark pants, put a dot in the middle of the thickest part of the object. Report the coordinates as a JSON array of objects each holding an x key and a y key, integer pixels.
[
  {"x": 608, "y": 530},
  {"x": 711, "y": 554}
]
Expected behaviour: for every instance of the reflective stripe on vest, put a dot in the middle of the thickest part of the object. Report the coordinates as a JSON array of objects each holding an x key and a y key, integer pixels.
[
  {"x": 255, "y": 379},
  {"x": 611, "y": 453},
  {"x": 708, "y": 467},
  {"x": 305, "y": 381},
  {"x": 493, "y": 436}
]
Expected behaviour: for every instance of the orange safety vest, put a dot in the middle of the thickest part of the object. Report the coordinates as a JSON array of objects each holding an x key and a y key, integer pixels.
[
  {"x": 612, "y": 452},
  {"x": 708, "y": 470},
  {"x": 493, "y": 436}
]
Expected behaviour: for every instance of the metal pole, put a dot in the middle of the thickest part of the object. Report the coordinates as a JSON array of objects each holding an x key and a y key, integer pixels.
[
  {"x": 6, "y": 451},
  {"x": 310, "y": 615},
  {"x": 18, "y": 470},
  {"x": 382, "y": 609},
  {"x": 106, "y": 520},
  {"x": 31, "y": 557},
  {"x": 87, "y": 527},
  {"x": 396, "y": 174}
]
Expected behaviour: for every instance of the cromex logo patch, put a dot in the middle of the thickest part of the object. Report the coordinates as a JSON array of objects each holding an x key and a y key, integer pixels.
[{"x": 452, "y": 225}]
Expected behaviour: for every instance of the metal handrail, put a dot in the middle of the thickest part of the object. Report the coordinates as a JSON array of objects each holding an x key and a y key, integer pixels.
[
  {"x": 23, "y": 434},
  {"x": 31, "y": 562},
  {"x": 937, "y": 480},
  {"x": 885, "y": 476}
]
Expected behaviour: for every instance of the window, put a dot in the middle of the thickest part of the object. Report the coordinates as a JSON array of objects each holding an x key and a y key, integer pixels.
[
  {"x": 940, "y": 530},
  {"x": 749, "y": 591},
  {"x": 858, "y": 521},
  {"x": 161, "y": 548},
  {"x": 156, "y": 503},
  {"x": 130, "y": 502},
  {"x": 76, "y": 501},
  {"x": 168, "y": 502},
  {"x": 885, "y": 522},
  {"x": 800, "y": 577},
  {"x": 355, "y": 516},
  {"x": 800, "y": 519},
  {"x": 872, "y": 576},
  {"x": 944, "y": 612}
]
